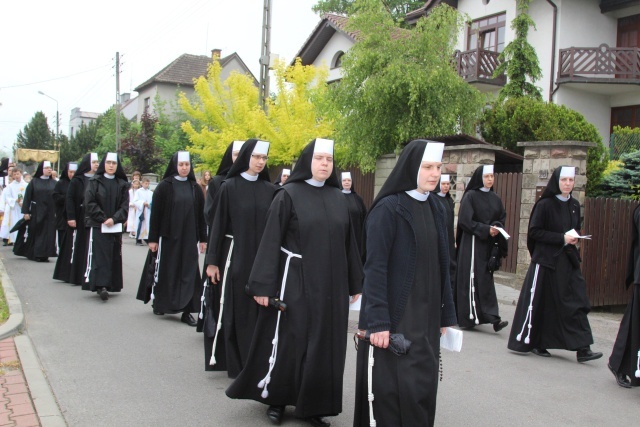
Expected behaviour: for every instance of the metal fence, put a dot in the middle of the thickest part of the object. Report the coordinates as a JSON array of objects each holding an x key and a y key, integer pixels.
[{"x": 623, "y": 144}]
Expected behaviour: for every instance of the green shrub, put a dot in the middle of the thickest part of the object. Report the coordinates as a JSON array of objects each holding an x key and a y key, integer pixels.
[{"x": 525, "y": 119}]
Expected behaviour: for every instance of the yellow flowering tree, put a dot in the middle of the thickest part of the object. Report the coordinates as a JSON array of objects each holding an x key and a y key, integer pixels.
[{"x": 225, "y": 111}]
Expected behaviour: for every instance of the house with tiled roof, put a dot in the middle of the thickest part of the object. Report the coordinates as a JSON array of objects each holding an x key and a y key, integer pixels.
[
  {"x": 180, "y": 74},
  {"x": 328, "y": 41},
  {"x": 588, "y": 50}
]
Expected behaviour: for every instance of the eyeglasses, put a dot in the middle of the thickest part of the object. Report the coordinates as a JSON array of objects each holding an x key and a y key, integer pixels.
[{"x": 259, "y": 157}]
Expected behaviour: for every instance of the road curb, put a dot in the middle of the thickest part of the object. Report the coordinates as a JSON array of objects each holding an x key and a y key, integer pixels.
[
  {"x": 44, "y": 401},
  {"x": 15, "y": 324}
]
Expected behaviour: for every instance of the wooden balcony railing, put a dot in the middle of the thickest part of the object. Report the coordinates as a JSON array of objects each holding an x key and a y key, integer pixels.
[
  {"x": 478, "y": 66},
  {"x": 599, "y": 63}
]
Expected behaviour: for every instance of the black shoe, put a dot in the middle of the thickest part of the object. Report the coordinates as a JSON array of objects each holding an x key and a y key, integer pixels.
[
  {"x": 585, "y": 355},
  {"x": 500, "y": 325},
  {"x": 318, "y": 422},
  {"x": 158, "y": 312},
  {"x": 139, "y": 243},
  {"x": 42, "y": 259},
  {"x": 5, "y": 244},
  {"x": 621, "y": 379},
  {"x": 275, "y": 414},
  {"x": 541, "y": 352},
  {"x": 188, "y": 319},
  {"x": 104, "y": 295}
]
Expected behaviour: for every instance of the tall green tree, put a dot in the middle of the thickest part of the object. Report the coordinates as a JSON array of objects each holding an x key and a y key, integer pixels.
[
  {"x": 519, "y": 60},
  {"x": 398, "y": 84},
  {"x": 397, "y": 8},
  {"x": 36, "y": 134},
  {"x": 140, "y": 149},
  {"x": 84, "y": 141},
  {"x": 169, "y": 136}
]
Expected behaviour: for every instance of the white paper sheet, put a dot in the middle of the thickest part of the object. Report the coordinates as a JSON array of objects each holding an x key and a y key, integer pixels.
[
  {"x": 451, "y": 340},
  {"x": 115, "y": 228},
  {"x": 503, "y": 232},
  {"x": 574, "y": 233}
]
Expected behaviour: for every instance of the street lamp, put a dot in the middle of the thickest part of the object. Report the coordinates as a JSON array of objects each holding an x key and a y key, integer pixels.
[{"x": 57, "y": 126}]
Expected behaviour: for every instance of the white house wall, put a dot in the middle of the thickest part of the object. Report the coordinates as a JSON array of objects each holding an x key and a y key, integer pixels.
[
  {"x": 595, "y": 108},
  {"x": 339, "y": 42}
]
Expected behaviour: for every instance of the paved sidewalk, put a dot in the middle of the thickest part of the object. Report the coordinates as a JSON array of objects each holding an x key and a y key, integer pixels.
[{"x": 16, "y": 404}]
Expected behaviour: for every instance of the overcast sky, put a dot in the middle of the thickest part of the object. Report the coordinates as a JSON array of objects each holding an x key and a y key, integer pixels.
[{"x": 66, "y": 48}]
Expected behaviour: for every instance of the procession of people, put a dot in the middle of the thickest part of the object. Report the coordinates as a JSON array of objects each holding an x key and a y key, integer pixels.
[{"x": 283, "y": 261}]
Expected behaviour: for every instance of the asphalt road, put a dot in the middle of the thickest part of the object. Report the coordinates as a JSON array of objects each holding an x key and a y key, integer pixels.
[{"x": 116, "y": 364}]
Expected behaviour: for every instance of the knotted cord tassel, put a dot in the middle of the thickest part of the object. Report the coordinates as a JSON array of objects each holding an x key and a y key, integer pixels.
[
  {"x": 529, "y": 317},
  {"x": 638, "y": 366},
  {"x": 264, "y": 383},
  {"x": 227, "y": 264},
  {"x": 370, "y": 396},
  {"x": 87, "y": 273},
  {"x": 157, "y": 270}
]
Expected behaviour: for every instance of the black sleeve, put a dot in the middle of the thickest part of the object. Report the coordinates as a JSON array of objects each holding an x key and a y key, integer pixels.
[
  {"x": 263, "y": 280},
  {"x": 93, "y": 210},
  {"x": 28, "y": 197},
  {"x": 200, "y": 221},
  {"x": 71, "y": 197},
  {"x": 157, "y": 211},
  {"x": 122, "y": 213},
  {"x": 219, "y": 226}
]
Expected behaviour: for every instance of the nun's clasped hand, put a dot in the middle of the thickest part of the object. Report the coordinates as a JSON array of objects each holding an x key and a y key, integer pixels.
[{"x": 380, "y": 339}]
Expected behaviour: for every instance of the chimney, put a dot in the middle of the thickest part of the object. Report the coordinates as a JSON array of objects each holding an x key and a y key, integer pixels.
[{"x": 216, "y": 53}]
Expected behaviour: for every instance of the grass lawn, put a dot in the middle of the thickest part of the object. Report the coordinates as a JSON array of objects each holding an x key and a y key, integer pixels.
[{"x": 4, "y": 308}]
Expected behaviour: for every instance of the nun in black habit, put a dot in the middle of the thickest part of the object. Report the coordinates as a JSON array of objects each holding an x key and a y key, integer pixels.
[
  {"x": 205, "y": 321},
  {"x": 308, "y": 258},
  {"x": 75, "y": 216},
  {"x": 230, "y": 156},
  {"x": 481, "y": 211},
  {"x": 241, "y": 211},
  {"x": 39, "y": 211},
  {"x": 62, "y": 270},
  {"x": 624, "y": 361},
  {"x": 406, "y": 291},
  {"x": 553, "y": 305},
  {"x": 357, "y": 209},
  {"x": 177, "y": 232},
  {"x": 106, "y": 204},
  {"x": 443, "y": 191}
]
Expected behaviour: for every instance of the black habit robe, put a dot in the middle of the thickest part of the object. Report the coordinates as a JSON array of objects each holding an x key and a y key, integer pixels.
[
  {"x": 206, "y": 319},
  {"x": 177, "y": 225},
  {"x": 357, "y": 212},
  {"x": 406, "y": 290},
  {"x": 626, "y": 350},
  {"x": 105, "y": 198},
  {"x": 312, "y": 223},
  {"x": 75, "y": 212},
  {"x": 560, "y": 305},
  {"x": 41, "y": 229},
  {"x": 479, "y": 210},
  {"x": 241, "y": 212},
  {"x": 62, "y": 270},
  {"x": 449, "y": 205}
]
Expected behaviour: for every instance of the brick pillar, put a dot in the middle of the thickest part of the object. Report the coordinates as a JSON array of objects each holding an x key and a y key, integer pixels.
[{"x": 540, "y": 159}]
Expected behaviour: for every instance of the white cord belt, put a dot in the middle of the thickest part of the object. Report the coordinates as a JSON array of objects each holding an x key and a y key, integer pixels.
[
  {"x": 157, "y": 269},
  {"x": 73, "y": 245},
  {"x": 89, "y": 257},
  {"x": 264, "y": 383},
  {"x": 472, "y": 286},
  {"x": 529, "y": 315},
  {"x": 212, "y": 361}
]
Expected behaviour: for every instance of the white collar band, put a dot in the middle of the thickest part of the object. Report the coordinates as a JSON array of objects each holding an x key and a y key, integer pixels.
[
  {"x": 315, "y": 183},
  {"x": 249, "y": 177},
  {"x": 415, "y": 194}
]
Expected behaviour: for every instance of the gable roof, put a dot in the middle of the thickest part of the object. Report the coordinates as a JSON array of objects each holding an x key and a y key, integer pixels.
[
  {"x": 184, "y": 69},
  {"x": 322, "y": 33},
  {"x": 413, "y": 16}
]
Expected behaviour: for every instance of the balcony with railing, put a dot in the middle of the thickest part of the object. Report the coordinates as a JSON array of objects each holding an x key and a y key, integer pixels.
[
  {"x": 602, "y": 65},
  {"x": 478, "y": 66}
]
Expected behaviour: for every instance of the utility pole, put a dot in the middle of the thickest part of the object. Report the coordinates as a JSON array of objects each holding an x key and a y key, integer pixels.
[
  {"x": 57, "y": 141},
  {"x": 117, "y": 108},
  {"x": 265, "y": 54}
]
